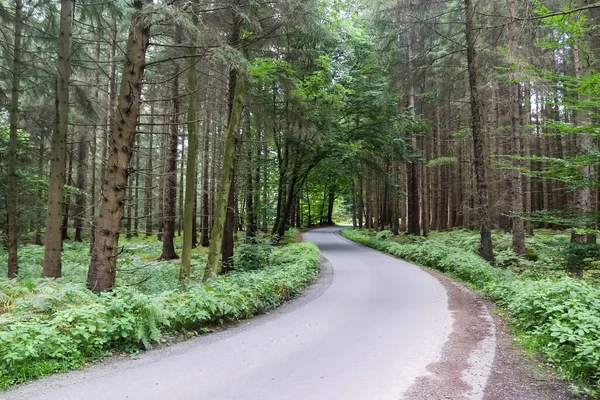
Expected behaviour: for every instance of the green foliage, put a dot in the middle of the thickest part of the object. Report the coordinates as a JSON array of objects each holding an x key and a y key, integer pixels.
[
  {"x": 383, "y": 235},
  {"x": 441, "y": 161},
  {"x": 251, "y": 257},
  {"x": 49, "y": 326},
  {"x": 559, "y": 317},
  {"x": 580, "y": 255}
]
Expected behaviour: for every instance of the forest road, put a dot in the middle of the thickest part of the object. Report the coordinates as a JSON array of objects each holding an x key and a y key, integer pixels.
[{"x": 373, "y": 327}]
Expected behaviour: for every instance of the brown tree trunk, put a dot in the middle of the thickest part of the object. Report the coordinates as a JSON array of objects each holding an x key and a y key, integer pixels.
[
  {"x": 102, "y": 271},
  {"x": 12, "y": 238},
  {"x": 235, "y": 110},
  {"x": 64, "y": 227},
  {"x": 82, "y": 171},
  {"x": 149, "y": 180},
  {"x": 518, "y": 227},
  {"x": 58, "y": 155},
  {"x": 229, "y": 228},
  {"x": 205, "y": 191},
  {"x": 136, "y": 191},
  {"x": 109, "y": 123},
  {"x": 486, "y": 250},
  {"x": 170, "y": 202}
]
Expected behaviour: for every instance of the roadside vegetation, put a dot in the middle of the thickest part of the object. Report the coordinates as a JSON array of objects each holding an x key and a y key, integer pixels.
[
  {"x": 48, "y": 326},
  {"x": 552, "y": 312}
]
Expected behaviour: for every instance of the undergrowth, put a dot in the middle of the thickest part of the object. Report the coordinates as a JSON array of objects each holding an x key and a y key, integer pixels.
[
  {"x": 51, "y": 326},
  {"x": 556, "y": 315}
]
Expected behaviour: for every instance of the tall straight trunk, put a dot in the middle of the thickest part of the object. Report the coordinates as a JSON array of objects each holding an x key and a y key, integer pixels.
[
  {"x": 190, "y": 172},
  {"x": 518, "y": 227},
  {"x": 102, "y": 271},
  {"x": 181, "y": 188},
  {"x": 170, "y": 202},
  {"x": 128, "y": 199},
  {"x": 486, "y": 250},
  {"x": 395, "y": 199},
  {"x": 12, "y": 239},
  {"x": 369, "y": 201},
  {"x": 205, "y": 190},
  {"x": 149, "y": 180},
  {"x": 583, "y": 198},
  {"x": 526, "y": 120},
  {"x": 227, "y": 244},
  {"x": 251, "y": 228},
  {"x": 361, "y": 201},
  {"x": 403, "y": 193},
  {"x": 161, "y": 182},
  {"x": 109, "y": 123},
  {"x": 93, "y": 150},
  {"x": 425, "y": 215},
  {"x": 331, "y": 202},
  {"x": 41, "y": 213},
  {"x": 58, "y": 155},
  {"x": 414, "y": 212},
  {"x": 195, "y": 216},
  {"x": 136, "y": 191},
  {"x": 236, "y": 107},
  {"x": 67, "y": 197},
  {"x": 434, "y": 192},
  {"x": 82, "y": 172}
]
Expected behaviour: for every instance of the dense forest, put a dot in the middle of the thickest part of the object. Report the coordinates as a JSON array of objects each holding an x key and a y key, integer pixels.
[
  {"x": 213, "y": 132},
  {"x": 203, "y": 120}
]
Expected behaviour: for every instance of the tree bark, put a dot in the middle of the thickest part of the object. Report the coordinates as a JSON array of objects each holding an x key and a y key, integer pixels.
[
  {"x": 190, "y": 173},
  {"x": 12, "y": 239},
  {"x": 170, "y": 202},
  {"x": 58, "y": 155},
  {"x": 67, "y": 197},
  {"x": 518, "y": 227},
  {"x": 205, "y": 191},
  {"x": 236, "y": 106},
  {"x": 82, "y": 171},
  {"x": 102, "y": 271},
  {"x": 486, "y": 249},
  {"x": 149, "y": 180}
]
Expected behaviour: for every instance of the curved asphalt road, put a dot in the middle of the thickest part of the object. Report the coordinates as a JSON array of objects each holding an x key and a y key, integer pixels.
[{"x": 370, "y": 334}]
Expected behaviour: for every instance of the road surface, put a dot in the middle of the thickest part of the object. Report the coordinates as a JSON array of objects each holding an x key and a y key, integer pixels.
[{"x": 373, "y": 327}]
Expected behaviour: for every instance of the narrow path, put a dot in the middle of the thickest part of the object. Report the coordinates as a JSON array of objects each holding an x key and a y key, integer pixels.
[{"x": 374, "y": 328}]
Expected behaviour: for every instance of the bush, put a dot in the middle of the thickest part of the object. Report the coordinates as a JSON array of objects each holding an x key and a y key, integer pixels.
[
  {"x": 60, "y": 326},
  {"x": 559, "y": 317},
  {"x": 580, "y": 256},
  {"x": 383, "y": 235},
  {"x": 249, "y": 257}
]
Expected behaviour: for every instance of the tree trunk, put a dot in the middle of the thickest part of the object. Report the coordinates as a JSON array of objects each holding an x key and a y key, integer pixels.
[
  {"x": 136, "y": 191},
  {"x": 170, "y": 202},
  {"x": 149, "y": 181},
  {"x": 12, "y": 239},
  {"x": 518, "y": 227},
  {"x": 102, "y": 271},
  {"x": 82, "y": 171},
  {"x": 205, "y": 191},
  {"x": 190, "y": 172},
  {"x": 425, "y": 220},
  {"x": 229, "y": 228},
  {"x": 486, "y": 250},
  {"x": 236, "y": 106},
  {"x": 109, "y": 123},
  {"x": 58, "y": 155},
  {"x": 67, "y": 198}
]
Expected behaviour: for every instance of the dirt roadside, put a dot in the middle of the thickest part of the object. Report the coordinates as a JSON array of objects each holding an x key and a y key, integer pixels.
[{"x": 506, "y": 372}]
